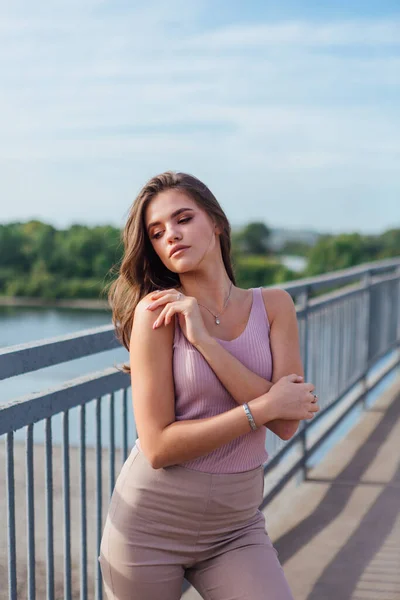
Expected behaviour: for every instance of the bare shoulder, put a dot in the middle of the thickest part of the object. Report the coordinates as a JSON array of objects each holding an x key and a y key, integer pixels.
[
  {"x": 143, "y": 321},
  {"x": 141, "y": 305},
  {"x": 150, "y": 356},
  {"x": 277, "y": 301}
]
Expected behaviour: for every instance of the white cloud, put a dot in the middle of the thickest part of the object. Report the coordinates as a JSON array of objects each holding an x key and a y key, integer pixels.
[
  {"x": 342, "y": 33},
  {"x": 133, "y": 91}
]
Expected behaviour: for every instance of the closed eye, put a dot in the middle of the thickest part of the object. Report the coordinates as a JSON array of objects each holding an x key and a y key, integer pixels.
[{"x": 185, "y": 220}]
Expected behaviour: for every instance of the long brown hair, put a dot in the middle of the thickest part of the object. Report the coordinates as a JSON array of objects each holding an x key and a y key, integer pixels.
[{"x": 141, "y": 271}]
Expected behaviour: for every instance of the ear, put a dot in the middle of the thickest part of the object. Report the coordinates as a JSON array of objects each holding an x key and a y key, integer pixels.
[{"x": 217, "y": 229}]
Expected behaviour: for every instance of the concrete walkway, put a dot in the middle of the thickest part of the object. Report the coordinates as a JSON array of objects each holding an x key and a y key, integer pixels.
[{"x": 338, "y": 533}]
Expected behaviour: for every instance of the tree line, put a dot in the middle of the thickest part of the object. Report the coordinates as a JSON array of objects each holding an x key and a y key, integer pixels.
[{"x": 38, "y": 260}]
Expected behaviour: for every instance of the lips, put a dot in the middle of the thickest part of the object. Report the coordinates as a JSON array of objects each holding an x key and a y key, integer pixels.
[{"x": 176, "y": 248}]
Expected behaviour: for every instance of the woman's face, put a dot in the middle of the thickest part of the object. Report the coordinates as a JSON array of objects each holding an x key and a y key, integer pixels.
[{"x": 172, "y": 218}]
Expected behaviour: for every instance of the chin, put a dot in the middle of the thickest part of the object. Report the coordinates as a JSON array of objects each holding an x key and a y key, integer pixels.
[
  {"x": 183, "y": 269},
  {"x": 184, "y": 264}
]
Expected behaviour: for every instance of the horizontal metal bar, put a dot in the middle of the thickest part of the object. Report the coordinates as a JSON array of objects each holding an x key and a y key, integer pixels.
[
  {"x": 315, "y": 304},
  {"x": 24, "y": 358},
  {"x": 384, "y": 279},
  {"x": 38, "y": 406},
  {"x": 321, "y": 282}
]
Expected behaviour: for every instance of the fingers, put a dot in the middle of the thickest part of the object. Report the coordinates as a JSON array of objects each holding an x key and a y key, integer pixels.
[
  {"x": 157, "y": 293},
  {"x": 169, "y": 314},
  {"x": 165, "y": 316},
  {"x": 307, "y": 386},
  {"x": 159, "y": 319},
  {"x": 294, "y": 378},
  {"x": 161, "y": 300},
  {"x": 314, "y": 408},
  {"x": 161, "y": 293}
]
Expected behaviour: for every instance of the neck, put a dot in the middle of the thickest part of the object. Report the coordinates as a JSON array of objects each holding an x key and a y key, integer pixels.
[{"x": 212, "y": 293}]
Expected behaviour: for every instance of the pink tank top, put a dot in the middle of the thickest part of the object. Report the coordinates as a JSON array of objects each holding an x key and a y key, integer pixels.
[{"x": 200, "y": 394}]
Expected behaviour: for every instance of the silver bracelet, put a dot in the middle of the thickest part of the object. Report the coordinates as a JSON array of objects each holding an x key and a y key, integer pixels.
[{"x": 249, "y": 416}]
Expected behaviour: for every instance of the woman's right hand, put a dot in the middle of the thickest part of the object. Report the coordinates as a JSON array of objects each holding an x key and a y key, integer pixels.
[{"x": 291, "y": 398}]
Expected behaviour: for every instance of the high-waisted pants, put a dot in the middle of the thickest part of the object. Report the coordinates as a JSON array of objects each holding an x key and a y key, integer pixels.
[{"x": 167, "y": 524}]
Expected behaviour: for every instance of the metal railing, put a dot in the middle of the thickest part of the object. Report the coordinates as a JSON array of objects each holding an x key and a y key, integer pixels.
[{"x": 344, "y": 333}]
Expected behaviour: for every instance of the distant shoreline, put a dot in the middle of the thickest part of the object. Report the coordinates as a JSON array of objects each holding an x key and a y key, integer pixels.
[{"x": 79, "y": 303}]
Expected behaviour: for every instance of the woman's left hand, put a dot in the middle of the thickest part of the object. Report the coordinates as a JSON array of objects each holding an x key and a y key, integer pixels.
[{"x": 187, "y": 309}]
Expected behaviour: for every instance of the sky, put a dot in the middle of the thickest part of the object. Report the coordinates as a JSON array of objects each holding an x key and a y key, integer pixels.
[{"x": 289, "y": 112}]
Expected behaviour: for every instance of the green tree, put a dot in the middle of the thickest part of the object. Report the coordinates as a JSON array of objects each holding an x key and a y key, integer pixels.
[
  {"x": 346, "y": 250},
  {"x": 390, "y": 243},
  {"x": 295, "y": 248},
  {"x": 12, "y": 255},
  {"x": 254, "y": 238},
  {"x": 254, "y": 271},
  {"x": 38, "y": 241}
]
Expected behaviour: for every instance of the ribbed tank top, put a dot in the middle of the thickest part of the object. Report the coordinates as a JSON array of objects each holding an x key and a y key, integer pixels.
[{"x": 200, "y": 394}]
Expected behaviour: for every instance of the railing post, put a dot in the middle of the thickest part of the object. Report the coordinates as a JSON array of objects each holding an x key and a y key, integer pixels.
[
  {"x": 49, "y": 511},
  {"x": 366, "y": 339},
  {"x": 12, "y": 557},
  {"x": 99, "y": 494},
  {"x": 303, "y": 302},
  {"x": 398, "y": 321}
]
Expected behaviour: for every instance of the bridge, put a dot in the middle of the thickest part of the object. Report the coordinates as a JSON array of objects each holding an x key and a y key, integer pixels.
[{"x": 331, "y": 492}]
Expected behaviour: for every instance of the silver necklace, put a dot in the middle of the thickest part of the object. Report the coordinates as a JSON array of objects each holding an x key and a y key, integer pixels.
[{"x": 216, "y": 317}]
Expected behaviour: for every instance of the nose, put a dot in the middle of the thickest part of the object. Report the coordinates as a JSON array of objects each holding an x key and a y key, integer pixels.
[{"x": 172, "y": 235}]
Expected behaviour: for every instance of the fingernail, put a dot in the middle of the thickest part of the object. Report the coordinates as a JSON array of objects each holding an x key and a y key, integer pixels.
[
  {"x": 149, "y": 305},
  {"x": 155, "y": 324}
]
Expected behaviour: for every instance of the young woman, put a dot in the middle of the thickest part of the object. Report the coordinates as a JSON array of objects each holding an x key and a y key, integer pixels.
[{"x": 212, "y": 366}]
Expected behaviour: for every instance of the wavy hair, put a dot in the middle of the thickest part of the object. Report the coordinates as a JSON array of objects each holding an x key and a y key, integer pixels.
[{"x": 141, "y": 270}]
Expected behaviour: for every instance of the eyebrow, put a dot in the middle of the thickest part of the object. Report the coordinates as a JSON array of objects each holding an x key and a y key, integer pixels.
[{"x": 174, "y": 214}]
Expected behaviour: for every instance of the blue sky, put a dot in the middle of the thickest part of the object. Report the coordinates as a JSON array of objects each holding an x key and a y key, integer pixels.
[{"x": 288, "y": 111}]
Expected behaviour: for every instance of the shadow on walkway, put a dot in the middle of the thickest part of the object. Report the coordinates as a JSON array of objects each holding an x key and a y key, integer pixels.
[{"x": 338, "y": 581}]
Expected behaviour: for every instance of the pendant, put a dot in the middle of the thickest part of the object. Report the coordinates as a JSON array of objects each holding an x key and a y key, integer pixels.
[{"x": 217, "y": 320}]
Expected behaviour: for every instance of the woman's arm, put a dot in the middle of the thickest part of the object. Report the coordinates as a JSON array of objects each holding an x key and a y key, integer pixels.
[
  {"x": 164, "y": 440},
  {"x": 185, "y": 440},
  {"x": 241, "y": 382}
]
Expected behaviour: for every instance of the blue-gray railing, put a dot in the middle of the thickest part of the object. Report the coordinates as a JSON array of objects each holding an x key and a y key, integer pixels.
[{"x": 348, "y": 321}]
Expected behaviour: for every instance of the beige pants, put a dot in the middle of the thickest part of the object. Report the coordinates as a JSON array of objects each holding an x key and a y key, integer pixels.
[{"x": 167, "y": 524}]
